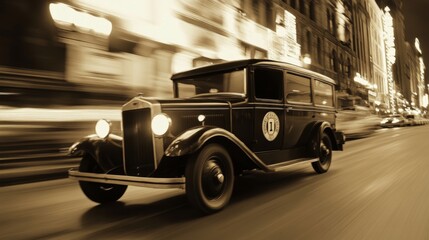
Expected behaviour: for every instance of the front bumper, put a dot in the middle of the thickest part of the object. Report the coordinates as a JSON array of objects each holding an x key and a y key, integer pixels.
[{"x": 149, "y": 182}]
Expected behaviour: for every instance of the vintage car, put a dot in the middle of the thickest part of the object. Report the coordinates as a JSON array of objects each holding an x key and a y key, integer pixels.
[
  {"x": 395, "y": 120},
  {"x": 224, "y": 119}
]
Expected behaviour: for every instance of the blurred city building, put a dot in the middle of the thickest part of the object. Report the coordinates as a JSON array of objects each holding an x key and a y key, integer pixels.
[
  {"x": 378, "y": 91},
  {"x": 92, "y": 51},
  {"x": 405, "y": 75}
]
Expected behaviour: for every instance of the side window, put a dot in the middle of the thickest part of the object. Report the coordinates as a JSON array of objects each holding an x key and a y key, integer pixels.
[
  {"x": 323, "y": 94},
  {"x": 297, "y": 89},
  {"x": 268, "y": 83}
]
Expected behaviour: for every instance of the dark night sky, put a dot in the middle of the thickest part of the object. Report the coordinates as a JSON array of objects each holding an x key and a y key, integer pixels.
[{"x": 416, "y": 13}]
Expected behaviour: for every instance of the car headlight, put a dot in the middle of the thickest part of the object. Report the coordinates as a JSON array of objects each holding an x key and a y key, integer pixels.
[
  {"x": 102, "y": 128},
  {"x": 160, "y": 124}
]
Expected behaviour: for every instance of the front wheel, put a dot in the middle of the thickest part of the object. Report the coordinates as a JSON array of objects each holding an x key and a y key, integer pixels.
[
  {"x": 99, "y": 192},
  {"x": 325, "y": 155},
  {"x": 210, "y": 179}
]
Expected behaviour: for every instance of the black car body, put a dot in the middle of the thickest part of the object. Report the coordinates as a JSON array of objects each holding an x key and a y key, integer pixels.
[{"x": 224, "y": 119}]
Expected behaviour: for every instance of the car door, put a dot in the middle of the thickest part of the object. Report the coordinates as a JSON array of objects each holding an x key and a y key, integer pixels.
[
  {"x": 299, "y": 109},
  {"x": 268, "y": 109}
]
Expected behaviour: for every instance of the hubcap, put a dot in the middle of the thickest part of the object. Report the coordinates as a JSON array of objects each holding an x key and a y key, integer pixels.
[
  {"x": 220, "y": 178},
  {"x": 212, "y": 179},
  {"x": 324, "y": 152}
]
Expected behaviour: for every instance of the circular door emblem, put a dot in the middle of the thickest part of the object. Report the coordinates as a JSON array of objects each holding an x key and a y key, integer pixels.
[{"x": 270, "y": 126}]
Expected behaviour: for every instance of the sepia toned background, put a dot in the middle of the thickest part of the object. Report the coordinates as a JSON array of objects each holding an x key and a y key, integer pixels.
[{"x": 66, "y": 64}]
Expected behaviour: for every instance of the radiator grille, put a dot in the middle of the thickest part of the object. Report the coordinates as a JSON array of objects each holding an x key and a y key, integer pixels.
[{"x": 138, "y": 143}]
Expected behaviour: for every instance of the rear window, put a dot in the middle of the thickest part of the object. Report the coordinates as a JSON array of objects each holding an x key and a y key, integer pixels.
[{"x": 323, "y": 94}]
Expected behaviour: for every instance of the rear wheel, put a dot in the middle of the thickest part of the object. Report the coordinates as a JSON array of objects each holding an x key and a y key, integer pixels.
[
  {"x": 99, "y": 192},
  {"x": 210, "y": 179},
  {"x": 325, "y": 155}
]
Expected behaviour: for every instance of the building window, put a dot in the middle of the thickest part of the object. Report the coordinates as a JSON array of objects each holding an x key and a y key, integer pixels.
[
  {"x": 302, "y": 6},
  {"x": 309, "y": 43},
  {"x": 348, "y": 34},
  {"x": 319, "y": 50},
  {"x": 340, "y": 63},
  {"x": 331, "y": 22},
  {"x": 304, "y": 44},
  {"x": 333, "y": 60},
  {"x": 312, "y": 10},
  {"x": 349, "y": 68},
  {"x": 293, "y": 3},
  {"x": 255, "y": 5},
  {"x": 328, "y": 19},
  {"x": 270, "y": 16}
]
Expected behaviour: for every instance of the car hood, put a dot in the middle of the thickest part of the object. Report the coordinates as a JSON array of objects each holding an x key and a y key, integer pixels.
[{"x": 206, "y": 101}]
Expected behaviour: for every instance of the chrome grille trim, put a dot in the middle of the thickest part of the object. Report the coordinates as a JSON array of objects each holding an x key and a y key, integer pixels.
[{"x": 157, "y": 143}]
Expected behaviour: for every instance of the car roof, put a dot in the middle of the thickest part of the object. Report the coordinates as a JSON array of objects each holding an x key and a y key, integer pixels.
[{"x": 242, "y": 64}]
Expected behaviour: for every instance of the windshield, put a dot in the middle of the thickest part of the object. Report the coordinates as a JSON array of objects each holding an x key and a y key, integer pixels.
[{"x": 224, "y": 83}]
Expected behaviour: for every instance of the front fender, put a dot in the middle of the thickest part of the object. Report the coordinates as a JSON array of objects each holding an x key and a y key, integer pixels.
[
  {"x": 192, "y": 140},
  {"x": 106, "y": 151}
]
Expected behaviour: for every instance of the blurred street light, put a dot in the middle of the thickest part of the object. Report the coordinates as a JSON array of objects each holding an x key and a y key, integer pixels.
[
  {"x": 306, "y": 59},
  {"x": 67, "y": 17}
]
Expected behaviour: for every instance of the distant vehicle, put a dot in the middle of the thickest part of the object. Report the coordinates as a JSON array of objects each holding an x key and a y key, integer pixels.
[
  {"x": 357, "y": 122},
  {"x": 396, "y": 120},
  {"x": 414, "y": 120},
  {"x": 224, "y": 119}
]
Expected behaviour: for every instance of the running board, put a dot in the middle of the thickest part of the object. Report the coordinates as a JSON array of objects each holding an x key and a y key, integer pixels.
[
  {"x": 150, "y": 182},
  {"x": 281, "y": 166}
]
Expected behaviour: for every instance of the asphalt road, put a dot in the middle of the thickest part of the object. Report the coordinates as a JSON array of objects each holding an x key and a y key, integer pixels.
[{"x": 376, "y": 189}]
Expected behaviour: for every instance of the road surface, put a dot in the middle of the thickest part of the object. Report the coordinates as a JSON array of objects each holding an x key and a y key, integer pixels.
[{"x": 377, "y": 188}]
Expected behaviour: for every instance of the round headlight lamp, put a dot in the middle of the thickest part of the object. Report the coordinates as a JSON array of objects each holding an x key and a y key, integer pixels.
[
  {"x": 103, "y": 128},
  {"x": 160, "y": 124}
]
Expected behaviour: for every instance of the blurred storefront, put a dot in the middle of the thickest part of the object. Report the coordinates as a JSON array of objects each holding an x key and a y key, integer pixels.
[
  {"x": 156, "y": 38},
  {"x": 117, "y": 49}
]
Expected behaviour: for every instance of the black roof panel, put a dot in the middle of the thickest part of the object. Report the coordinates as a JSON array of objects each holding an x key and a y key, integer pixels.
[{"x": 242, "y": 64}]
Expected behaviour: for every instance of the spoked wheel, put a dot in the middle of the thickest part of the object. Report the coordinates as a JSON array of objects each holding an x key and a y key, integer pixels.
[
  {"x": 210, "y": 179},
  {"x": 325, "y": 155},
  {"x": 99, "y": 192}
]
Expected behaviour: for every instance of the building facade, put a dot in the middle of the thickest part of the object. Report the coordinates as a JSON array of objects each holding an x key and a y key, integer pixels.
[
  {"x": 139, "y": 47},
  {"x": 379, "y": 89},
  {"x": 162, "y": 37}
]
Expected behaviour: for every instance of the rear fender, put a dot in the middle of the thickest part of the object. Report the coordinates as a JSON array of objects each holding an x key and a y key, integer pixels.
[{"x": 337, "y": 138}]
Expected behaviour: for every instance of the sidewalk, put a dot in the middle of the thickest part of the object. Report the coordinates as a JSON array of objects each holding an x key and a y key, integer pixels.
[{"x": 34, "y": 141}]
